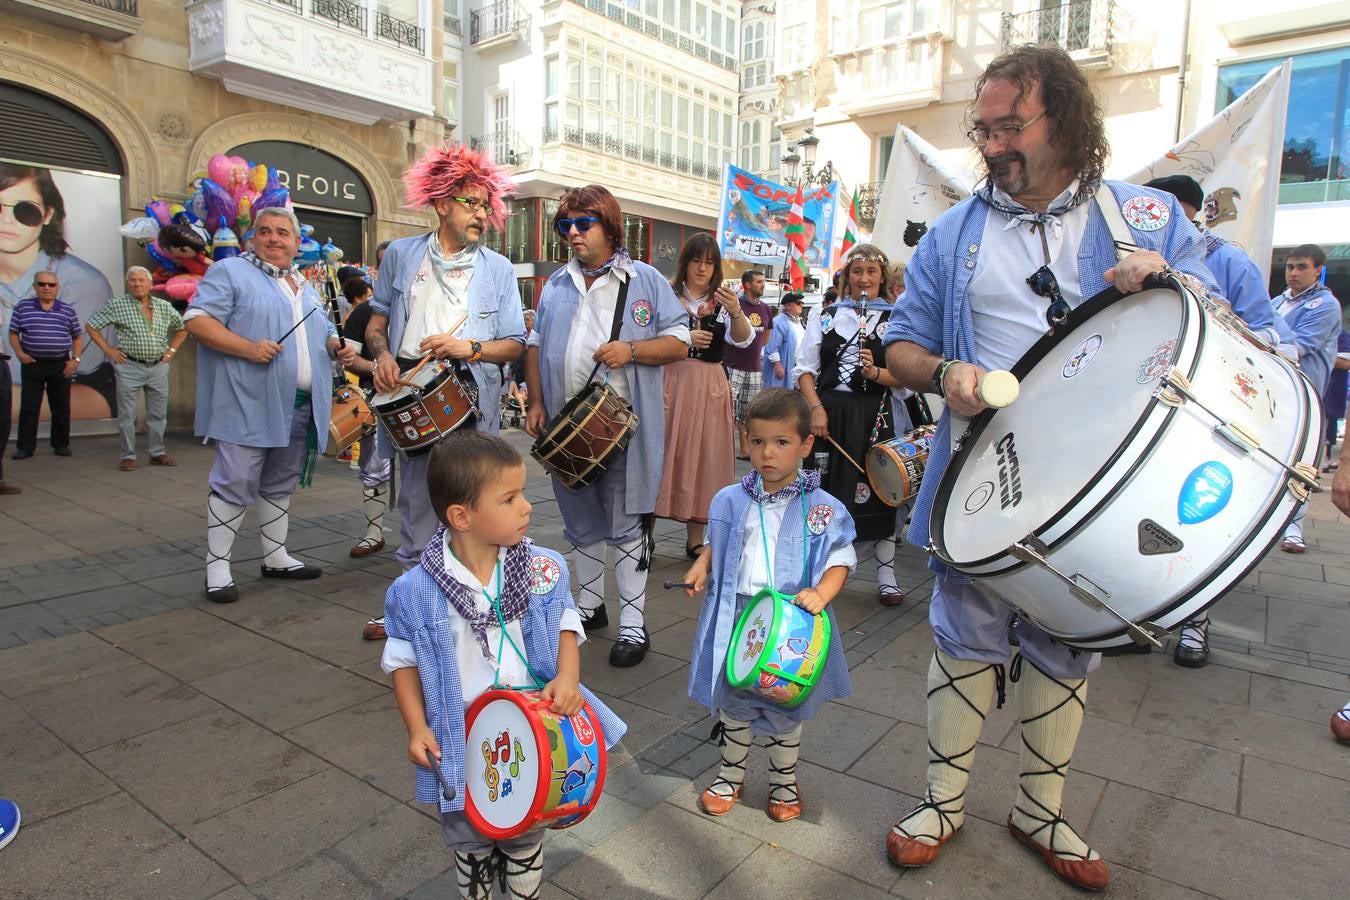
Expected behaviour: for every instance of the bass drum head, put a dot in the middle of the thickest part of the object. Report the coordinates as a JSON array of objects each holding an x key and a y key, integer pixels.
[
  {"x": 747, "y": 644},
  {"x": 501, "y": 770},
  {"x": 1082, "y": 396}
]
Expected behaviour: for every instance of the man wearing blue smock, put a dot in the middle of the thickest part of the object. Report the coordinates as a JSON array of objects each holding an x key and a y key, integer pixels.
[
  {"x": 602, "y": 291},
  {"x": 266, "y": 349},
  {"x": 1313, "y": 314},
  {"x": 780, "y": 352},
  {"x": 969, "y": 307}
]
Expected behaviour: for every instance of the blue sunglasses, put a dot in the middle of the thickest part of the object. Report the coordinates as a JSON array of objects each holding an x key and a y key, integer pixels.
[{"x": 583, "y": 224}]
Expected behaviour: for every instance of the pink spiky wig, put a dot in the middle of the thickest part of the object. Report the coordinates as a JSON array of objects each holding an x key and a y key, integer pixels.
[{"x": 446, "y": 171}]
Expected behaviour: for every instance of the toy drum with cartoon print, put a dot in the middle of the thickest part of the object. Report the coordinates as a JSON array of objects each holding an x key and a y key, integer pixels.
[
  {"x": 895, "y": 467},
  {"x": 586, "y": 436},
  {"x": 778, "y": 649},
  {"x": 527, "y": 767},
  {"x": 1154, "y": 457},
  {"x": 430, "y": 403}
]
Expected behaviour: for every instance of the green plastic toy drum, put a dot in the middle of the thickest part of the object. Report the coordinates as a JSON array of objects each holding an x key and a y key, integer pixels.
[{"x": 778, "y": 649}]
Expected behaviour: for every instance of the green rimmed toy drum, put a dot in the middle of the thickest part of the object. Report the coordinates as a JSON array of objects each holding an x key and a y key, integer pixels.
[{"x": 778, "y": 649}]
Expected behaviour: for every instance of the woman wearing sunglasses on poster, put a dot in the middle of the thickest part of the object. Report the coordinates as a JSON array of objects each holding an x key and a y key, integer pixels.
[{"x": 32, "y": 240}]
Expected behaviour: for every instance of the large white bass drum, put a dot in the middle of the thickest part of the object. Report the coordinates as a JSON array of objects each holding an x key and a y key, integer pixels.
[{"x": 1156, "y": 453}]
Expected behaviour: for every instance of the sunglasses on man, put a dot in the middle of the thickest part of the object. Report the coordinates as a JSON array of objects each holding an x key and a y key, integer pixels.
[
  {"x": 44, "y": 284},
  {"x": 26, "y": 212},
  {"x": 583, "y": 224},
  {"x": 1043, "y": 284}
]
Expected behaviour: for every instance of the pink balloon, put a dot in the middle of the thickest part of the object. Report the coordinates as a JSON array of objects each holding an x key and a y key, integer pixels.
[{"x": 182, "y": 287}]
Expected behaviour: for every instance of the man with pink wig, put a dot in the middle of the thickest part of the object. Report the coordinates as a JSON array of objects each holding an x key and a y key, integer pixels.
[{"x": 428, "y": 285}]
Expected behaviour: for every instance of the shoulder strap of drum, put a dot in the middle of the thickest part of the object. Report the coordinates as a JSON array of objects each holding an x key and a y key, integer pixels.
[
  {"x": 617, "y": 324},
  {"x": 1115, "y": 222}
]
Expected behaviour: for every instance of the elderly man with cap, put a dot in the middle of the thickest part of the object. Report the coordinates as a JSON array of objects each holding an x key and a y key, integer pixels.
[
  {"x": 265, "y": 343},
  {"x": 446, "y": 295},
  {"x": 149, "y": 333},
  {"x": 780, "y": 351}
]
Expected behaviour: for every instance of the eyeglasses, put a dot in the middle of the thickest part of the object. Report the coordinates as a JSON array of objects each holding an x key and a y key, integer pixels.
[
  {"x": 583, "y": 224},
  {"x": 1004, "y": 134},
  {"x": 26, "y": 212},
  {"x": 474, "y": 204},
  {"x": 1043, "y": 284},
  {"x": 38, "y": 284}
]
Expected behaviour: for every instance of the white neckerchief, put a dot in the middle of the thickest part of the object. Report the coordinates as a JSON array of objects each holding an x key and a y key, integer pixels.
[{"x": 435, "y": 305}]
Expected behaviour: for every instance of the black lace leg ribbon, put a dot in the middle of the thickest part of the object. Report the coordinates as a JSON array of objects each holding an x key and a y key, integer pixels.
[
  {"x": 474, "y": 874},
  {"x": 633, "y": 552},
  {"x": 521, "y": 875},
  {"x": 783, "y": 776},
  {"x": 739, "y": 738}
]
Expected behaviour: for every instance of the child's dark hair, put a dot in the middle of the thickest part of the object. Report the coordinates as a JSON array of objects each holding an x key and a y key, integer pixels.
[
  {"x": 355, "y": 288},
  {"x": 462, "y": 464},
  {"x": 781, "y": 405}
]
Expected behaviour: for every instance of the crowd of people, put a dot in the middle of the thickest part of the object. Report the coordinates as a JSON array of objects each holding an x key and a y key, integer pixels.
[{"x": 712, "y": 374}]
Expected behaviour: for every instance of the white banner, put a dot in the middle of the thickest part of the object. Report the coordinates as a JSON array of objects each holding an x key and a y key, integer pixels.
[
  {"x": 1236, "y": 158},
  {"x": 920, "y": 186}
]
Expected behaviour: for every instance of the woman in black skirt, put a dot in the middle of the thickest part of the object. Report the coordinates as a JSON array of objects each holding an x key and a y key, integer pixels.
[{"x": 839, "y": 373}]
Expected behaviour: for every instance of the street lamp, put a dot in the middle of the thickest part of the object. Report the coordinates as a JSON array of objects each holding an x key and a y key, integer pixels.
[
  {"x": 790, "y": 162},
  {"x": 806, "y": 160}
]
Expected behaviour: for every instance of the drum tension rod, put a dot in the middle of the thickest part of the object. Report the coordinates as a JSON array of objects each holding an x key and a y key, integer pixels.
[
  {"x": 1304, "y": 479},
  {"x": 1032, "y": 549}
]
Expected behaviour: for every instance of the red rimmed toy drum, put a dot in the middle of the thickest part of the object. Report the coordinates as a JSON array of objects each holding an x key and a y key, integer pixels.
[{"x": 527, "y": 767}]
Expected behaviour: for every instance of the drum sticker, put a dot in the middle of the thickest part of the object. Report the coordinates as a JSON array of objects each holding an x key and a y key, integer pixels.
[
  {"x": 1082, "y": 356},
  {"x": 1204, "y": 493},
  {"x": 1245, "y": 389},
  {"x": 544, "y": 575},
  {"x": 1156, "y": 363},
  {"x": 405, "y": 417},
  {"x": 1009, "y": 473},
  {"x": 1155, "y": 540},
  {"x": 578, "y": 773},
  {"x": 977, "y": 498},
  {"x": 818, "y": 519},
  {"x": 862, "y": 493},
  {"x": 1146, "y": 213},
  {"x": 581, "y": 727},
  {"x": 642, "y": 312},
  {"x": 503, "y": 758},
  {"x": 754, "y": 639}
]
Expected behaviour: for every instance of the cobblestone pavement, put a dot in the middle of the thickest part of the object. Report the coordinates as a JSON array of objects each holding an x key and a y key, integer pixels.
[{"x": 161, "y": 746}]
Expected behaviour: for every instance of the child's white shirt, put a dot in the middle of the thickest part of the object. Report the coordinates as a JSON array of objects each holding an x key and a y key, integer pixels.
[{"x": 753, "y": 575}]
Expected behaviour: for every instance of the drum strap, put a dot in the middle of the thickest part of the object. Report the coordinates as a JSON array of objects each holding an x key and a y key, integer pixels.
[
  {"x": 1115, "y": 222},
  {"x": 764, "y": 535}
]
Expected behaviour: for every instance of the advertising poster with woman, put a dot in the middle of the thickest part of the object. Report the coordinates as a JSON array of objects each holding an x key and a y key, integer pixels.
[{"x": 64, "y": 222}]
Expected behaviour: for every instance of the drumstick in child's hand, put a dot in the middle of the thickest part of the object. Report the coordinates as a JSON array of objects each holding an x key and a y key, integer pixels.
[
  {"x": 678, "y": 584},
  {"x": 999, "y": 388},
  {"x": 447, "y": 790}
]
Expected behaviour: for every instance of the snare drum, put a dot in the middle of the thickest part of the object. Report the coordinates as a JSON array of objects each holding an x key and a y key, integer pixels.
[
  {"x": 895, "y": 467},
  {"x": 420, "y": 413},
  {"x": 527, "y": 767},
  {"x": 586, "y": 436},
  {"x": 1153, "y": 458},
  {"x": 778, "y": 649},
  {"x": 351, "y": 419}
]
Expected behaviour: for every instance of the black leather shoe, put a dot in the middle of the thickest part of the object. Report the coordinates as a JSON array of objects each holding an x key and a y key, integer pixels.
[
  {"x": 227, "y": 594},
  {"x": 62, "y": 451},
  {"x": 21, "y": 454},
  {"x": 629, "y": 653},
  {"x": 295, "y": 573},
  {"x": 597, "y": 619}
]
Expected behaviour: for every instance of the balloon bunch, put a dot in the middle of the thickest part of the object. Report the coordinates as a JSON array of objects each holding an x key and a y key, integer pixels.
[{"x": 211, "y": 225}]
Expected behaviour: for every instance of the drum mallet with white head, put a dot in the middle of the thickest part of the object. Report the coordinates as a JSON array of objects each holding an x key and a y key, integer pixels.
[{"x": 999, "y": 388}]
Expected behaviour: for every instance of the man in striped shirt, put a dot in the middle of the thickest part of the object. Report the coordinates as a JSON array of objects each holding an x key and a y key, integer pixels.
[
  {"x": 45, "y": 334},
  {"x": 149, "y": 333}
]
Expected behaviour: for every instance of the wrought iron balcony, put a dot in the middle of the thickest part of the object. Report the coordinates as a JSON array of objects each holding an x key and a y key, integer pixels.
[
  {"x": 342, "y": 13},
  {"x": 1081, "y": 27},
  {"x": 403, "y": 33},
  {"x": 506, "y": 148},
  {"x": 497, "y": 23},
  {"x": 869, "y": 201},
  {"x": 452, "y": 24},
  {"x": 107, "y": 20}
]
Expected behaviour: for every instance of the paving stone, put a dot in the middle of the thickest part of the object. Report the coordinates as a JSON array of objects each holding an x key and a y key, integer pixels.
[
  {"x": 1298, "y": 801},
  {"x": 321, "y": 629},
  {"x": 42, "y": 773},
  {"x": 28, "y": 670},
  {"x": 1214, "y": 852},
  {"x": 1315, "y": 614},
  {"x": 313, "y": 689},
  {"x": 611, "y": 815},
  {"x": 264, "y": 837},
  {"x": 1290, "y": 698},
  {"x": 773, "y": 872},
  {"x": 94, "y": 603},
  {"x": 157, "y": 565},
  {"x": 669, "y": 694},
  {"x": 1302, "y": 588},
  {"x": 318, "y": 878},
  {"x": 397, "y": 851},
  {"x": 189, "y": 771},
  {"x": 642, "y": 784},
  {"x": 367, "y": 741},
  {"x": 1214, "y": 682},
  {"x": 122, "y": 851},
  {"x": 839, "y": 735},
  {"x": 238, "y": 892},
  {"x": 1297, "y": 657},
  {"x": 1311, "y": 638},
  {"x": 28, "y": 618},
  {"x": 667, "y": 853},
  {"x": 1278, "y": 738},
  {"x": 114, "y": 706},
  {"x": 677, "y": 640},
  {"x": 620, "y": 681},
  {"x": 58, "y": 584}
]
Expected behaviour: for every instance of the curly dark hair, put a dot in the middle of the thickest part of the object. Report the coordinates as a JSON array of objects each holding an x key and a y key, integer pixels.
[{"x": 1071, "y": 105}]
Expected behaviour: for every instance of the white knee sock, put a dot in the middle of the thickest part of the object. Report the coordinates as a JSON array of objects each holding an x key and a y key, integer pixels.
[
  {"x": 632, "y": 590},
  {"x": 222, "y": 524},
  {"x": 274, "y": 521},
  {"x": 524, "y": 871},
  {"x": 734, "y": 740},
  {"x": 474, "y": 874},
  {"x": 884, "y": 551},
  {"x": 960, "y": 693},
  {"x": 588, "y": 575},
  {"x": 373, "y": 505},
  {"x": 1051, "y": 710},
  {"x": 783, "y": 751}
]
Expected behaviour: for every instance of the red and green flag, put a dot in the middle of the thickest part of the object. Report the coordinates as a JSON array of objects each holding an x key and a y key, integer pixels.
[
  {"x": 795, "y": 232},
  {"x": 851, "y": 229}
]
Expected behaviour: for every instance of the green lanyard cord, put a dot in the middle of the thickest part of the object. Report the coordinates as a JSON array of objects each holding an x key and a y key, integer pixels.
[
  {"x": 496, "y": 604},
  {"x": 764, "y": 533}
]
